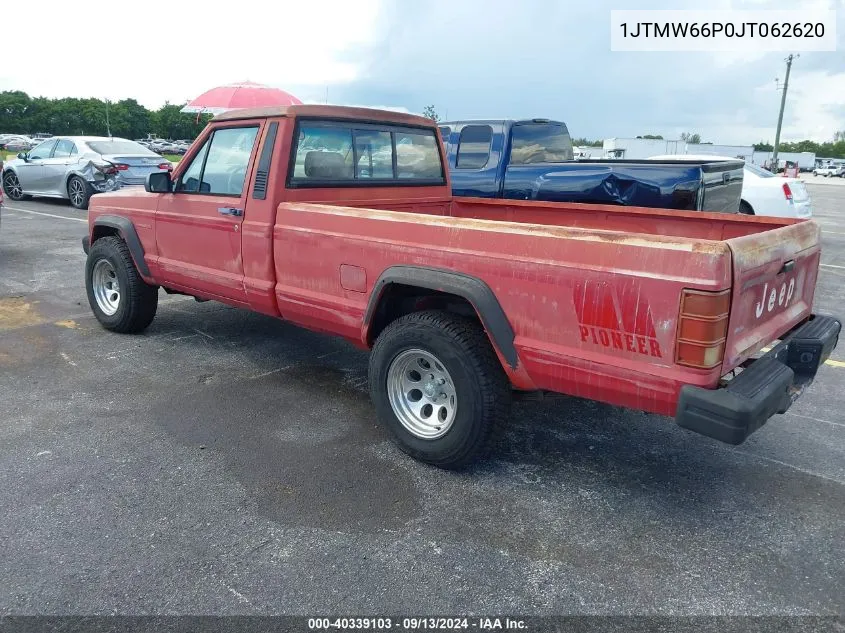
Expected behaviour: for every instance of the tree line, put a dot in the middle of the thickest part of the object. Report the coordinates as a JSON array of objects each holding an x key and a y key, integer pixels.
[
  {"x": 829, "y": 149},
  {"x": 835, "y": 149},
  {"x": 22, "y": 114}
]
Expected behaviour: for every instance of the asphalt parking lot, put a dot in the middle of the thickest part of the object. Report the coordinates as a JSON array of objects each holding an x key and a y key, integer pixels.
[{"x": 225, "y": 462}]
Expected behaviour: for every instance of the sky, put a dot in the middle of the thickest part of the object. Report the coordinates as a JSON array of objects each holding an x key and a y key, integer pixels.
[{"x": 467, "y": 58}]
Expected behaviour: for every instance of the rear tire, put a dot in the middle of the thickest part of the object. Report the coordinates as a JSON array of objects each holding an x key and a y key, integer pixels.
[
  {"x": 457, "y": 386},
  {"x": 745, "y": 208},
  {"x": 79, "y": 192},
  {"x": 120, "y": 299}
]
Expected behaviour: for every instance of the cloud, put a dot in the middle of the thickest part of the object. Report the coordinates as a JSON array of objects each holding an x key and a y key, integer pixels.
[
  {"x": 177, "y": 51},
  {"x": 470, "y": 59},
  {"x": 497, "y": 60}
]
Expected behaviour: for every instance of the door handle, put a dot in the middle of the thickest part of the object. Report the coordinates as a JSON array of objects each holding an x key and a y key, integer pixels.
[{"x": 230, "y": 211}]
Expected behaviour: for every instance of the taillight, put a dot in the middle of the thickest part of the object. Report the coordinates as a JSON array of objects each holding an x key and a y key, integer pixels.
[
  {"x": 108, "y": 169},
  {"x": 787, "y": 192},
  {"x": 702, "y": 328},
  {"x": 121, "y": 166},
  {"x": 166, "y": 166}
]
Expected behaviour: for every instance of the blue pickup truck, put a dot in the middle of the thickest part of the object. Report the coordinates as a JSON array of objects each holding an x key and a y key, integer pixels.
[{"x": 533, "y": 160}]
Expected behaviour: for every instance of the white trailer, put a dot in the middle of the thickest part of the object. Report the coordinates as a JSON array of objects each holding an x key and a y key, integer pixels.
[
  {"x": 640, "y": 148},
  {"x": 806, "y": 160},
  {"x": 585, "y": 152},
  {"x": 734, "y": 151}
]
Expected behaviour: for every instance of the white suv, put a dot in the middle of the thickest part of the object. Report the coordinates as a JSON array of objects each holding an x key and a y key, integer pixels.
[{"x": 830, "y": 170}]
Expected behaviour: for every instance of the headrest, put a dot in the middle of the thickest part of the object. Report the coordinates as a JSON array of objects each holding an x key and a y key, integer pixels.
[{"x": 327, "y": 166}]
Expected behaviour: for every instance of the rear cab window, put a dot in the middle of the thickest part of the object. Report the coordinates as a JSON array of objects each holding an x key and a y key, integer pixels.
[
  {"x": 540, "y": 143},
  {"x": 119, "y": 146},
  {"x": 344, "y": 154}
]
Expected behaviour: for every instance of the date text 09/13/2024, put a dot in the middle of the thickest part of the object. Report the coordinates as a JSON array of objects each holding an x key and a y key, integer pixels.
[{"x": 416, "y": 623}]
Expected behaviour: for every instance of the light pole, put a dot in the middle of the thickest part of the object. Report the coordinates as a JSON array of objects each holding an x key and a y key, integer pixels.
[
  {"x": 782, "y": 106},
  {"x": 108, "y": 127}
]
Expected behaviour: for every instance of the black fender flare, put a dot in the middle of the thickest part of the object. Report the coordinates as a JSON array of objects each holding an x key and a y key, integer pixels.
[
  {"x": 127, "y": 231},
  {"x": 474, "y": 290}
]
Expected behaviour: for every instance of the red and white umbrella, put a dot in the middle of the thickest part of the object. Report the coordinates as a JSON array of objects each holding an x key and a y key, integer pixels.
[{"x": 246, "y": 94}]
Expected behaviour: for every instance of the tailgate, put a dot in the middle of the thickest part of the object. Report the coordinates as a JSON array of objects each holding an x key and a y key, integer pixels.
[
  {"x": 774, "y": 278},
  {"x": 722, "y": 186}
]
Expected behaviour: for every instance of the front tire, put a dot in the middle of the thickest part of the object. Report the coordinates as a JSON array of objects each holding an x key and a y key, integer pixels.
[
  {"x": 12, "y": 186},
  {"x": 78, "y": 192},
  {"x": 438, "y": 387},
  {"x": 120, "y": 299}
]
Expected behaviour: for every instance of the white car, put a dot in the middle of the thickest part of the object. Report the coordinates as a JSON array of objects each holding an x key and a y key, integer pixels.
[
  {"x": 763, "y": 193},
  {"x": 830, "y": 170}
]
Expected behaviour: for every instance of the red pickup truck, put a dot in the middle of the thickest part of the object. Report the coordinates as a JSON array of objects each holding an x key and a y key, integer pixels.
[{"x": 342, "y": 220}]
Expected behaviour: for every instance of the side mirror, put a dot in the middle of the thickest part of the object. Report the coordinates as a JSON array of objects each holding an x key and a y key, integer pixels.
[
  {"x": 23, "y": 156},
  {"x": 159, "y": 182}
]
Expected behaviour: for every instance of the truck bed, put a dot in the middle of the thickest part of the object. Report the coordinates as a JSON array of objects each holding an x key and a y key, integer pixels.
[
  {"x": 532, "y": 160},
  {"x": 695, "y": 225},
  {"x": 587, "y": 277}
]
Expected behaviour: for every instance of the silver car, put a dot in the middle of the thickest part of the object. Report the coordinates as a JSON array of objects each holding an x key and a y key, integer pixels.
[{"x": 77, "y": 167}]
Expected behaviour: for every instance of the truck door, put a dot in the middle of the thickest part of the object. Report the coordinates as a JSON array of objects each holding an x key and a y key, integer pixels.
[{"x": 198, "y": 225}]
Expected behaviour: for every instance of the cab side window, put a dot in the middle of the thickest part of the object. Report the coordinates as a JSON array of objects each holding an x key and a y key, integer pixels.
[
  {"x": 219, "y": 168},
  {"x": 64, "y": 149},
  {"x": 45, "y": 150},
  {"x": 474, "y": 146},
  {"x": 227, "y": 160},
  {"x": 190, "y": 180}
]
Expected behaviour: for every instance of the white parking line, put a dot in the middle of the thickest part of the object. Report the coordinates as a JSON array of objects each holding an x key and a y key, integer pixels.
[
  {"x": 832, "y": 266},
  {"x": 808, "y": 417},
  {"x": 49, "y": 215}
]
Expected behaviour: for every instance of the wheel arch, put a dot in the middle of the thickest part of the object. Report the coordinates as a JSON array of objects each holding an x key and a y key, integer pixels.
[
  {"x": 66, "y": 183},
  {"x": 6, "y": 169},
  {"x": 458, "y": 289},
  {"x": 106, "y": 225}
]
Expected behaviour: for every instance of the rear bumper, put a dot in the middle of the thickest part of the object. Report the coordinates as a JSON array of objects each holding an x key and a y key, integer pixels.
[
  {"x": 769, "y": 385},
  {"x": 803, "y": 209}
]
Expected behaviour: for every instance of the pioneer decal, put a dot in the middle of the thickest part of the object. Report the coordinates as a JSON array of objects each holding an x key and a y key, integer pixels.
[{"x": 616, "y": 317}]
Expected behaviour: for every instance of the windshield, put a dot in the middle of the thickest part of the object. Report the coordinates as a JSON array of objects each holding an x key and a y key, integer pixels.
[
  {"x": 119, "y": 146},
  {"x": 540, "y": 143},
  {"x": 759, "y": 171}
]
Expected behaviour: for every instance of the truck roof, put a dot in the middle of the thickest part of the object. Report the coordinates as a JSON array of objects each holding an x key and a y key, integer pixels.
[
  {"x": 329, "y": 112},
  {"x": 500, "y": 121}
]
